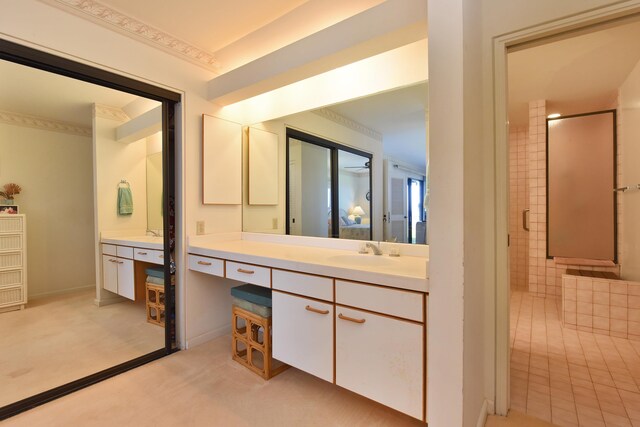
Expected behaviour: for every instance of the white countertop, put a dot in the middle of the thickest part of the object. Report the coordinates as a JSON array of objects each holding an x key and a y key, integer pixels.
[
  {"x": 145, "y": 242},
  {"x": 405, "y": 272}
]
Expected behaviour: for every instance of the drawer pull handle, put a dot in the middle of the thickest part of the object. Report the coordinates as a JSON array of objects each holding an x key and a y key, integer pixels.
[
  {"x": 242, "y": 270},
  {"x": 112, "y": 260},
  {"x": 351, "y": 319},
  {"x": 204, "y": 263},
  {"x": 161, "y": 256},
  {"x": 316, "y": 310},
  {"x": 120, "y": 262},
  {"x": 142, "y": 253}
]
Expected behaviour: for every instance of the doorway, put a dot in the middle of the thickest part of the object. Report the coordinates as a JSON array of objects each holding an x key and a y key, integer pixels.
[
  {"x": 417, "y": 226},
  {"x": 564, "y": 374}
]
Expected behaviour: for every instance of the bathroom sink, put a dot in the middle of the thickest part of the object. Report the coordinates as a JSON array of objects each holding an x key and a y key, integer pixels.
[{"x": 362, "y": 260}]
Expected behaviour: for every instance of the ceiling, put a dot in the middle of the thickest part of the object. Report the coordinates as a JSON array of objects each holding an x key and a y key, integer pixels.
[
  {"x": 400, "y": 116},
  {"x": 30, "y": 91},
  {"x": 575, "y": 75}
]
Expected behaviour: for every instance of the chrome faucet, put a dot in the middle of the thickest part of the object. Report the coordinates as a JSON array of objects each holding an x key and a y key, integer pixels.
[{"x": 375, "y": 248}]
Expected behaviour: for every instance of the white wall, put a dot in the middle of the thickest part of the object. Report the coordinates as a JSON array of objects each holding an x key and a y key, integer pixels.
[
  {"x": 54, "y": 170},
  {"x": 629, "y": 150},
  {"x": 116, "y": 161}
]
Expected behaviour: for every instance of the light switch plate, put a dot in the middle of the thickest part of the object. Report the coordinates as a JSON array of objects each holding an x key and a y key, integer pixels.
[{"x": 199, "y": 227}]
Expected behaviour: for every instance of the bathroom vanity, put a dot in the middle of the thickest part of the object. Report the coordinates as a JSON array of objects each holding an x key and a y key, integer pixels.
[
  {"x": 124, "y": 260},
  {"x": 356, "y": 320}
]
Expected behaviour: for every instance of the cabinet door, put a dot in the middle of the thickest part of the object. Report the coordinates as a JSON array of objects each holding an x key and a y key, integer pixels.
[
  {"x": 110, "y": 273},
  {"x": 126, "y": 285},
  {"x": 303, "y": 334},
  {"x": 381, "y": 358}
]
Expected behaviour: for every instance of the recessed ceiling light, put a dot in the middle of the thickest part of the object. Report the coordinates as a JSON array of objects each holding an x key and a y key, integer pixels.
[{"x": 553, "y": 116}]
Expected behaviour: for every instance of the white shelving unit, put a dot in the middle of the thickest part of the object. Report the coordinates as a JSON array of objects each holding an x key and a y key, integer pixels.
[{"x": 13, "y": 262}]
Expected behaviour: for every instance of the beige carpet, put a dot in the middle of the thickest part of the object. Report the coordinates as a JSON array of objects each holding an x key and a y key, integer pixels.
[
  {"x": 63, "y": 338},
  {"x": 204, "y": 387}
]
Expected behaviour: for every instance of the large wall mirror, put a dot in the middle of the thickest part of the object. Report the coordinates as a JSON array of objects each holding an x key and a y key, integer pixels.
[
  {"x": 91, "y": 162},
  {"x": 368, "y": 158}
]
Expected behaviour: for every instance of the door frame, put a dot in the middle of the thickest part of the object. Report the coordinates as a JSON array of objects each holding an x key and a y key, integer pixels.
[{"x": 560, "y": 28}]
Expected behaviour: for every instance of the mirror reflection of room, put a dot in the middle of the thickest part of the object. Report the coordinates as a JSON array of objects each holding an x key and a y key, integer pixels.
[
  {"x": 381, "y": 186},
  {"x": 76, "y": 295}
]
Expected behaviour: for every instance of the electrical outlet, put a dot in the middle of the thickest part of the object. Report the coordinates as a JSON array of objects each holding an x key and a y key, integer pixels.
[
  {"x": 274, "y": 223},
  {"x": 199, "y": 227}
]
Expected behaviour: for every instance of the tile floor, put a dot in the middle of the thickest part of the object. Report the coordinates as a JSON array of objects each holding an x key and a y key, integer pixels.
[{"x": 570, "y": 377}]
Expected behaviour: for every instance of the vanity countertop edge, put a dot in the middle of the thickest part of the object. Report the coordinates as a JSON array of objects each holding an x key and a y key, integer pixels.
[{"x": 315, "y": 260}]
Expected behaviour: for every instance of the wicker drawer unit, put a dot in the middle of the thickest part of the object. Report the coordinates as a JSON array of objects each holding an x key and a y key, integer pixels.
[{"x": 13, "y": 260}]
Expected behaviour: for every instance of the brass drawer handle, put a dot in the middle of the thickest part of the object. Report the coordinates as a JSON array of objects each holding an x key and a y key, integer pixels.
[
  {"x": 204, "y": 263},
  {"x": 242, "y": 270},
  {"x": 112, "y": 260},
  {"x": 161, "y": 256},
  {"x": 120, "y": 262},
  {"x": 142, "y": 253},
  {"x": 315, "y": 310},
  {"x": 351, "y": 319}
]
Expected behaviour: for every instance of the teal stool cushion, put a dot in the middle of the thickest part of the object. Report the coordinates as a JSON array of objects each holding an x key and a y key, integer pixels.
[
  {"x": 253, "y": 293},
  {"x": 155, "y": 272}
]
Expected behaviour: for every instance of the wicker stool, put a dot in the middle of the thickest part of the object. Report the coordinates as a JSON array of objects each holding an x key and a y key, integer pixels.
[{"x": 251, "y": 337}]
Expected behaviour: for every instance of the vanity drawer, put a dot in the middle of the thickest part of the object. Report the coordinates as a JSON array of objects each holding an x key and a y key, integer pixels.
[
  {"x": 206, "y": 265},
  {"x": 399, "y": 303},
  {"x": 148, "y": 255},
  {"x": 109, "y": 249},
  {"x": 248, "y": 273},
  {"x": 303, "y": 284},
  {"x": 124, "y": 252}
]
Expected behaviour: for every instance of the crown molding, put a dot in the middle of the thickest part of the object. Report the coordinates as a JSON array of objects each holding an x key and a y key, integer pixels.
[
  {"x": 43, "y": 123},
  {"x": 110, "y": 113},
  {"x": 346, "y": 122},
  {"x": 113, "y": 19}
]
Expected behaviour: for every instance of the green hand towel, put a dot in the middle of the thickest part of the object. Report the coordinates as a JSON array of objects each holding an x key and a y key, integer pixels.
[{"x": 125, "y": 201}]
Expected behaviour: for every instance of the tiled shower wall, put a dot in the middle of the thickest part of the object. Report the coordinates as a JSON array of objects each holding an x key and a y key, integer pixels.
[
  {"x": 544, "y": 276},
  {"x": 519, "y": 201}
]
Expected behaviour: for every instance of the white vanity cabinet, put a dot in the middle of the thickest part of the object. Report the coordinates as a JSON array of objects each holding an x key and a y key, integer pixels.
[
  {"x": 13, "y": 260},
  {"x": 381, "y": 358},
  {"x": 117, "y": 272},
  {"x": 303, "y": 334},
  {"x": 368, "y": 338},
  {"x": 380, "y": 342}
]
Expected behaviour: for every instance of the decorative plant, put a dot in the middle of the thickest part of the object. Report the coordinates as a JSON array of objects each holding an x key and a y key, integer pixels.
[{"x": 10, "y": 190}]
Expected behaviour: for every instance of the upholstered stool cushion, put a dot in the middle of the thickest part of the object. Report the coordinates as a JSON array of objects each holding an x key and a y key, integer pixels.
[{"x": 253, "y": 293}]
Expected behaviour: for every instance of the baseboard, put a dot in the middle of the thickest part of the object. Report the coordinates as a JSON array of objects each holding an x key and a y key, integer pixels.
[
  {"x": 62, "y": 292},
  {"x": 208, "y": 336},
  {"x": 108, "y": 301},
  {"x": 486, "y": 409}
]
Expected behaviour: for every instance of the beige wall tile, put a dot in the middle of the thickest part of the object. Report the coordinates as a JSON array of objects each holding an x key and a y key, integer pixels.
[
  {"x": 584, "y": 308},
  {"x": 601, "y": 297},
  {"x": 601, "y": 310},
  {"x": 619, "y": 300},
  {"x": 618, "y": 287},
  {"x": 585, "y": 296},
  {"x": 601, "y": 323},
  {"x": 618, "y": 313}
]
